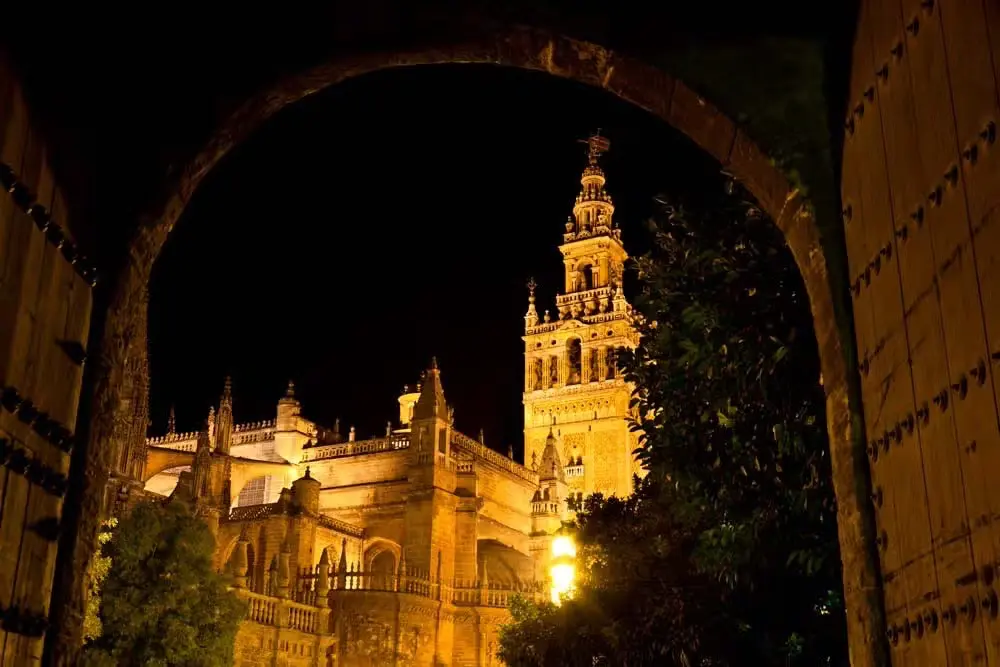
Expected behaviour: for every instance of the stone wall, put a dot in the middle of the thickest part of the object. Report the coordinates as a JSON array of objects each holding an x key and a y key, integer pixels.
[
  {"x": 361, "y": 469},
  {"x": 921, "y": 188},
  {"x": 279, "y": 632},
  {"x": 506, "y": 498},
  {"x": 45, "y": 303}
]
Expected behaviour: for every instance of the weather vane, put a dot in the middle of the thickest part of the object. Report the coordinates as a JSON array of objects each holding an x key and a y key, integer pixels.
[
  {"x": 531, "y": 286},
  {"x": 596, "y": 144}
]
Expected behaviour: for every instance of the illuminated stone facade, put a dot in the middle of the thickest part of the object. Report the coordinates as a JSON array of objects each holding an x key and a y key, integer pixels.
[
  {"x": 572, "y": 384},
  {"x": 405, "y": 549}
]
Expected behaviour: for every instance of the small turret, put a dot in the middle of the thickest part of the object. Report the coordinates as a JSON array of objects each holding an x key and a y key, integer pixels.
[
  {"x": 407, "y": 402},
  {"x": 291, "y": 433},
  {"x": 305, "y": 492}
]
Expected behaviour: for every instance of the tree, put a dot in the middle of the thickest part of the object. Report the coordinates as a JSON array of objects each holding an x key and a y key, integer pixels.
[
  {"x": 96, "y": 574},
  {"x": 162, "y": 603},
  {"x": 727, "y": 553}
]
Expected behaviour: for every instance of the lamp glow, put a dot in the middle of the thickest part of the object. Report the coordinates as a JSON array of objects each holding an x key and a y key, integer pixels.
[{"x": 562, "y": 572}]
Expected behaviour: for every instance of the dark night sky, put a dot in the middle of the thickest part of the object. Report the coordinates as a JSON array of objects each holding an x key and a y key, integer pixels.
[{"x": 383, "y": 221}]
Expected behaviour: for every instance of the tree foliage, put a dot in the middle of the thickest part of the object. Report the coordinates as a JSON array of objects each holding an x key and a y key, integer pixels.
[
  {"x": 162, "y": 603},
  {"x": 727, "y": 553},
  {"x": 97, "y": 572}
]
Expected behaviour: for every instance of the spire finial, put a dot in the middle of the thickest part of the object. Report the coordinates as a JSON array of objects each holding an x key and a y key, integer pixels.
[
  {"x": 596, "y": 145},
  {"x": 172, "y": 422},
  {"x": 531, "y": 317},
  {"x": 306, "y": 476},
  {"x": 482, "y": 436},
  {"x": 290, "y": 391},
  {"x": 434, "y": 363},
  {"x": 228, "y": 388}
]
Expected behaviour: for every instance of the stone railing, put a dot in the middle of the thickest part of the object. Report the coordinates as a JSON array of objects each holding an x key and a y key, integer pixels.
[
  {"x": 184, "y": 442},
  {"x": 340, "y": 526},
  {"x": 480, "y": 593},
  {"x": 254, "y": 426},
  {"x": 466, "y": 444},
  {"x": 257, "y": 512},
  {"x": 373, "y": 446},
  {"x": 284, "y": 613},
  {"x": 253, "y": 512},
  {"x": 586, "y": 297}
]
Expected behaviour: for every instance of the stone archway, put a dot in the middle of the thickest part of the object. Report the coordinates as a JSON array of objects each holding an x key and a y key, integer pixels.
[{"x": 633, "y": 81}]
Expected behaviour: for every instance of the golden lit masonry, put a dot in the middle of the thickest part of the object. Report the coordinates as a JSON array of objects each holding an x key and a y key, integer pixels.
[
  {"x": 571, "y": 383},
  {"x": 411, "y": 543}
]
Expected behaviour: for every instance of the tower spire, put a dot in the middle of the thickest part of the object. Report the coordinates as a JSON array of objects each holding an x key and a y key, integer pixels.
[
  {"x": 531, "y": 317},
  {"x": 593, "y": 209},
  {"x": 224, "y": 419},
  {"x": 172, "y": 422}
]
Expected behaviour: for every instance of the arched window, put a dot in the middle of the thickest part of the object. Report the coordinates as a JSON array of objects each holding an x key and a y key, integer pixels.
[
  {"x": 588, "y": 277},
  {"x": 538, "y": 374},
  {"x": 383, "y": 572},
  {"x": 574, "y": 361},
  {"x": 553, "y": 371},
  {"x": 612, "y": 368},
  {"x": 595, "y": 365}
]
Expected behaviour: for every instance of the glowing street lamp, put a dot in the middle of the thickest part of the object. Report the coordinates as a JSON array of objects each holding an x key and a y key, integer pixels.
[{"x": 562, "y": 571}]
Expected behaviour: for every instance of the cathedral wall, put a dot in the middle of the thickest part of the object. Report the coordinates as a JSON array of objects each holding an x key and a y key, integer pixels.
[
  {"x": 350, "y": 501},
  {"x": 382, "y": 628},
  {"x": 507, "y": 499},
  {"x": 361, "y": 469},
  {"x": 488, "y": 529},
  {"x": 515, "y": 518},
  {"x": 265, "y": 645},
  {"x": 327, "y": 538}
]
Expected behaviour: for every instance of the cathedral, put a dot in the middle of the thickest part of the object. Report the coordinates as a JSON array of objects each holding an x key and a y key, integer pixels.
[{"x": 405, "y": 549}]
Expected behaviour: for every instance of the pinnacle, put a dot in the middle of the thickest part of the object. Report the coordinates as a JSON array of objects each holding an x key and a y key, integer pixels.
[{"x": 431, "y": 402}]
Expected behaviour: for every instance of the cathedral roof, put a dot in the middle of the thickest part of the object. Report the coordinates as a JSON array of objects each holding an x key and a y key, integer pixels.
[{"x": 431, "y": 402}]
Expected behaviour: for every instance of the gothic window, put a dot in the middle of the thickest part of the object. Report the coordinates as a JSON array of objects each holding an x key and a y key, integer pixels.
[
  {"x": 612, "y": 363},
  {"x": 574, "y": 360},
  {"x": 595, "y": 365},
  {"x": 252, "y": 493},
  {"x": 553, "y": 371}
]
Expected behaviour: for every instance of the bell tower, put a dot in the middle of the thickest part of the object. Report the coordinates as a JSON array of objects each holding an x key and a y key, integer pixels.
[
  {"x": 592, "y": 249},
  {"x": 572, "y": 383}
]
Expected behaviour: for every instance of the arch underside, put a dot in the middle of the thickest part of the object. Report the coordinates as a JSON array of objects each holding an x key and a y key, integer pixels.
[{"x": 633, "y": 81}]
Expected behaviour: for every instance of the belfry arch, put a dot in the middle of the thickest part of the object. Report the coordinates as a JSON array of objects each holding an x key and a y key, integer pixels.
[{"x": 629, "y": 79}]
